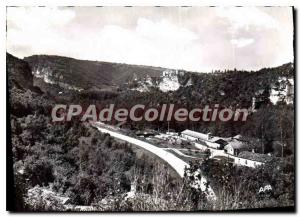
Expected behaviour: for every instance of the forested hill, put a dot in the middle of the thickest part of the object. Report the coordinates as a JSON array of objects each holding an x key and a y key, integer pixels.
[
  {"x": 20, "y": 73},
  {"x": 85, "y": 74},
  {"x": 93, "y": 79},
  {"x": 230, "y": 88},
  {"x": 235, "y": 88}
]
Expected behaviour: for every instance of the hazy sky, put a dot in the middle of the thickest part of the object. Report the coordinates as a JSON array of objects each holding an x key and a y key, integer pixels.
[{"x": 191, "y": 38}]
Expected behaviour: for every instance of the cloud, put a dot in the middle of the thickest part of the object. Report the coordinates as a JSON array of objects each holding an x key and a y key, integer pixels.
[
  {"x": 242, "y": 42},
  {"x": 37, "y": 28},
  {"x": 152, "y": 43},
  {"x": 39, "y": 17},
  {"x": 246, "y": 17},
  {"x": 195, "y": 38},
  {"x": 163, "y": 30}
]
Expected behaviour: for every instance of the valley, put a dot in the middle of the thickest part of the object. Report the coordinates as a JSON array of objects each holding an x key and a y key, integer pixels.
[{"x": 195, "y": 165}]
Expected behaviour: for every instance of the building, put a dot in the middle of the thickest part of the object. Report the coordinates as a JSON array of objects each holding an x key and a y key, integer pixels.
[
  {"x": 235, "y": 146},
  {"x": 204, "y": 139},
  {"x": 219, "y": 140},
  {"x": 251, "y": 159},
  {"x": 193, "y": 136}
]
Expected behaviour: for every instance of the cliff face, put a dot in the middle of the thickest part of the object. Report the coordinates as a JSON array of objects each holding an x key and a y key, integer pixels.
[{"x": 74, "y": 74}]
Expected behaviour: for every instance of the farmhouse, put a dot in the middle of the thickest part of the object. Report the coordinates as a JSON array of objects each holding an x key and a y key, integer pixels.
[
  {"x": 194, "y": 136},
  {"x": 204, "y": 139},
  {"x": 251, "y": 159},
  {"x": 235, "y": 147}
]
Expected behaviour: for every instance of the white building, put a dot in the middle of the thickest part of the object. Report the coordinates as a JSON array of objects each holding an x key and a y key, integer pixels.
[
  {"x": 204, "y": 139},
  {"x": 251, "y": 159},
  {"x": 193, "y": 136},
  {"x": 246, "y": 162},
  {"x": 235, "y": 146}
]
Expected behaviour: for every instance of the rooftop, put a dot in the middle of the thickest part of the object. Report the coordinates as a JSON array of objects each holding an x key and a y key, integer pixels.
[
  {"x": 212, "y": 141},
  {"x": 236, "y": 144},
  {"x": 195, "y": 134},
  {"x": 255, "y": 156},
  {"x": 238, "y": 136}
]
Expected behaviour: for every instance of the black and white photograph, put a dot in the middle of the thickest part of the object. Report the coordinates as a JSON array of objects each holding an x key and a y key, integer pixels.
[{"x": 150, "y": 108}]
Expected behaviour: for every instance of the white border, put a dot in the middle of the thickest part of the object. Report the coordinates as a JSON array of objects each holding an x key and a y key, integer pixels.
[{"x": 5, "y": 3}]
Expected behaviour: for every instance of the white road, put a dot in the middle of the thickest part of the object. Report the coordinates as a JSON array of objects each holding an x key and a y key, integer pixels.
[{"x": 176, "y": 163}]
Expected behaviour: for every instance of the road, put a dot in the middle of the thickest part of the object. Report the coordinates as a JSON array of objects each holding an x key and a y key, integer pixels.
[{"x": 176, "y": 163}]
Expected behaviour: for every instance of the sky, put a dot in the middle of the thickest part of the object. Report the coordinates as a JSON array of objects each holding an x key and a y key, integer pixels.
[{"x": 191, "y": 38}]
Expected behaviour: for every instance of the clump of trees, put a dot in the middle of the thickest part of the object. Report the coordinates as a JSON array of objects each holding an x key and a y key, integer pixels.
[{"x": 239, "y": 187}]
